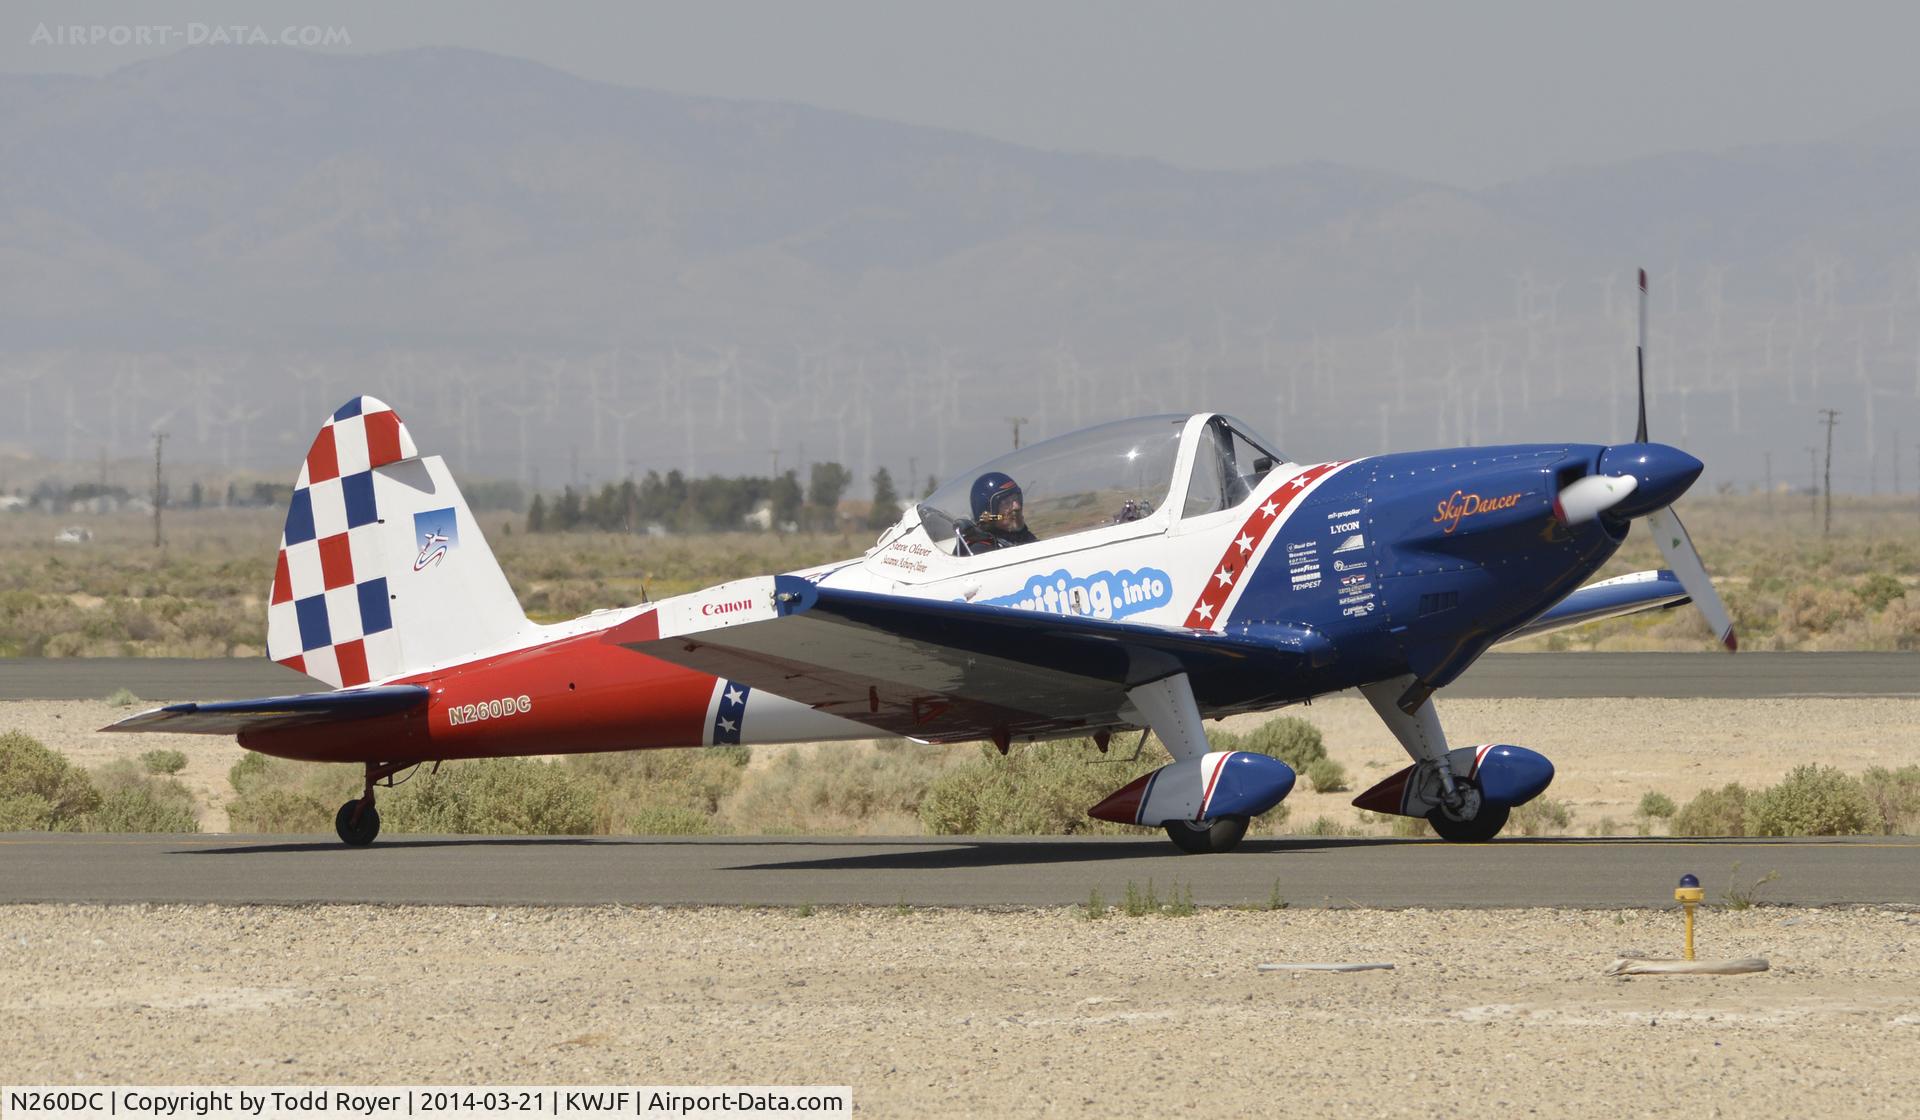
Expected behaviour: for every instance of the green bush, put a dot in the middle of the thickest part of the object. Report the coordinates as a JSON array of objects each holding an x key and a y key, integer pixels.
[
  {"x": 1326, "y": 776},
  {"x": 123, "y": 698},
  {"x": 1327, "y": 826},
  {"x": 657, "y": 791},
  {"x": 841, "y": 788},
  {"x": 1035, "y": 789},
  {"x": 1657, "y": 806},
  {"x": 1290, "y": 739},
  {"x": 145, "y": 809},
  {"x": 1895, "y": 796},
  {"x": 1714, "y": 812},
  {"x": 1813, "y": 801},
  {"x": 1879, "y": 589},
  {"x": 1542, "y": 816},
  {"x": 499, "y": 796},
  {"x": 41, "y": 791},
  {"x": 164, "y": 762},
  {"x": 284, "y": 796},
  {"x": 280, "y": 810}
]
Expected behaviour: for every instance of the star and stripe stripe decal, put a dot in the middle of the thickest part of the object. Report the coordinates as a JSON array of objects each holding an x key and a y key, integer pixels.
[{"x": 1210, "y": 609}]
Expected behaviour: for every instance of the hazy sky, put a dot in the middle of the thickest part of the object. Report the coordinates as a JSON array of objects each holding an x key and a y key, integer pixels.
[{"x": 1467, "y": 93}]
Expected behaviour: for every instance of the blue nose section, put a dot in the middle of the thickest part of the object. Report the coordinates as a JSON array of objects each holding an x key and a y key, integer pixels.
[{"x": 1664, "y": 473}]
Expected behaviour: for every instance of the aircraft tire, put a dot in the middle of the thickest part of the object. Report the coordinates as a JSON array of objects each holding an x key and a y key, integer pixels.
[
  {"x": 1483, "y": 827},
  {"x": 356, "y": 834},
  {"x": 1219, "y": 835}
]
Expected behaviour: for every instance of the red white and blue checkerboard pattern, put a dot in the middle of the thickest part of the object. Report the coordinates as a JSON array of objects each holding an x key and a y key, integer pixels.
[{"x": 329, "y": 615}]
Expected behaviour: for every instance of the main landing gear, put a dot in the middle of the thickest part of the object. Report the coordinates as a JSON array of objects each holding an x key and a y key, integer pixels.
[
  {"x": 1473, "y": 821},
  {"x": 358, "y": 822},
  {"x": 1220, "y": 834}
]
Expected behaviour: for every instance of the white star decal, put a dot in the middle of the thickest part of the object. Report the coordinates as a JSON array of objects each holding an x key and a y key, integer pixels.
[
  {"x": 1270, "y": 508},
  {"x": 1245, "y": 544},
  {"x": 1299, "y": 480},
  {"x": 1225, "y": 576},
  {"x": 1204, "y": 610},
  {"x": 728, "y": 726},
  {"x": 734, "y": 696}
]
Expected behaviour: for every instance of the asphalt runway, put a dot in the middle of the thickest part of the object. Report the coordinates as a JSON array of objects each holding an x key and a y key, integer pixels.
[
  {"x": 1306, "y": 871},
  {"x": 1541, "y": 676}
]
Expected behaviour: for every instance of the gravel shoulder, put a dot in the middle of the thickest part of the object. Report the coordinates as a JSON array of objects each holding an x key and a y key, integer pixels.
[{"x": 957, "y": 1012}]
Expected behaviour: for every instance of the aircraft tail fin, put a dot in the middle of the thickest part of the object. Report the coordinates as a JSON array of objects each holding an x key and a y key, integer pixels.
[{"x": 382, "y": 569}]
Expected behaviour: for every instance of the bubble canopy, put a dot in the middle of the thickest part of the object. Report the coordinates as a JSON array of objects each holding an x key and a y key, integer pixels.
[{"x": 1105, "y": 475}]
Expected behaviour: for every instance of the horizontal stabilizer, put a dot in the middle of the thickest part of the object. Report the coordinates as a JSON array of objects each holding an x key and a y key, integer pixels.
[
  {"x": 231, "y": 717},
  {"x": 1610, "y": 598},
  {"x": 940, "y": 670}
]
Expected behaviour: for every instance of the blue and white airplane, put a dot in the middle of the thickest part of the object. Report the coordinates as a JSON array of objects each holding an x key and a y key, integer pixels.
[{"x": 1148, "y": 574}]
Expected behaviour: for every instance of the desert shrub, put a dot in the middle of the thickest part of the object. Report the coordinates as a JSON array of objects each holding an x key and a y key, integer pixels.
[
  {"x": 1714, "y": 812},
  {"x": 1327, "y": 826},
  {"x": 1290, "y": 739},
  {"x": 1895, "y": 797},
  {"x": 840, "y": 788},
  {"x": 164, "y": 762},
  {"x": 1816, "y": 610},
  {"x": 653, "y": 819},
  {"x": 280, "y": 810},
  {"x": 123, "y": 698},
  {"x": 658, "y": 791},
  {"x": 41, "y": 791},
  {"x": 1605, "y": 826},
  {"x": 1542, "y": 816},
  {"x": 501, "y": 796},
  {"x": 1879, "y": 589},
  {"x": 1655, "y": 805},
  {"x": 132, "y": 800},
  {"x": 142, "y": 808},
  {"x": 281, "y": 795},
  {"x": 1326, "y": 776},
  {"x": 1813, "y": 801},
  {"x": 1035, "y": 789}
]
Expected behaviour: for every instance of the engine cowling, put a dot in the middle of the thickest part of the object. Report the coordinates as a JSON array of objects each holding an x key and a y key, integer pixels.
[
  {"x": 1507, "y": 775},
  {"x": 1217, "y": 784}
]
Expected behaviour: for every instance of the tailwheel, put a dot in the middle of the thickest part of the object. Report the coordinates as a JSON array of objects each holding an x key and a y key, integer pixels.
[
  {"x": 357, "y": 822},
  {"x": 1197, "y": 839}
]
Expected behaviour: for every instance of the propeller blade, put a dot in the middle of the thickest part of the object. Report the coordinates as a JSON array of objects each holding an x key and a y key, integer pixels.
[
  {"x": 1640, "y": 359},
  {"x": 1684, "y": 559},
  {"x": 1584, "y": 499}
]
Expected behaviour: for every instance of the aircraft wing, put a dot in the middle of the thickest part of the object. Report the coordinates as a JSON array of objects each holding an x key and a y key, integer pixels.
[
  {"x": 949, "y": 671},
  {"x": 1610, "y": 598},
  {"x": 231, "y": 717}
]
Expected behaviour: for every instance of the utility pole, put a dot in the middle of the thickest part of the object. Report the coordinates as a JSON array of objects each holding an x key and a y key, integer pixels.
[
  {"x": 1767, "y": 456},
  {"x": 1832, "y": 417},
  {"x": 1016, "y": 421},
  {"x": 159, "y": 487}
]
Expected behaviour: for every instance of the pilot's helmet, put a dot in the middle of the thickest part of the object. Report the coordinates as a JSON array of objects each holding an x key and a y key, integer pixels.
[{"x": 990, "y": 494}]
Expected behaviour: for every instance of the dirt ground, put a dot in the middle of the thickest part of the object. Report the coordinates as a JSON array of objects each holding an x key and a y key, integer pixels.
[
  {"x": 950, "y": 1012},
  {"x": 1607, "y": 753}
]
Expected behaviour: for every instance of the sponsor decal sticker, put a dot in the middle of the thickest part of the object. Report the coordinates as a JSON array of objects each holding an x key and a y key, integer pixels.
[
  {"x": 1103, "y": 594},
  {"x": 1339, "y": 513},
  {"x": 1343, "y": 527},
  {"x": 438, "y": 532},
  {"x": 730, "y": 607},
  {"x": 1349, "y": 565},
  {"x": 1354, "y": 543},
  {"x": 1460, "y": 505}
]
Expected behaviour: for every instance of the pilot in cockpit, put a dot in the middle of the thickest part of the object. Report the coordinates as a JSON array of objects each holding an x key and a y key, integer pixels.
[{"x": 1000, "y": 514}]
